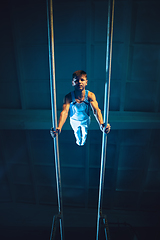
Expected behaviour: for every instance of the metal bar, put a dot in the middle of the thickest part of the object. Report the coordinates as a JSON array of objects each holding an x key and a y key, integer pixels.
[
  {"x": 53, "y": 105},
  {"x": 106, "y": 107},
  {"x": 53, "y": 230},
  {"x": 105, "y": 229}
]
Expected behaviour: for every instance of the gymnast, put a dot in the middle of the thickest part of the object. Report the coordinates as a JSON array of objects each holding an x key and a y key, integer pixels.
[{"x": 78, "y": 103}]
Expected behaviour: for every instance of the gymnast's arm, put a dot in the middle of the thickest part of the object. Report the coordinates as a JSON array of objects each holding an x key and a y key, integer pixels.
[
  {"x": 97, "y": 113},
  {"x": 63, "y": 116}
]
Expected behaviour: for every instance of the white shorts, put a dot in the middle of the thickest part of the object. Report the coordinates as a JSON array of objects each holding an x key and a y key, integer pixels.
[{"x": 80, "y": 129}]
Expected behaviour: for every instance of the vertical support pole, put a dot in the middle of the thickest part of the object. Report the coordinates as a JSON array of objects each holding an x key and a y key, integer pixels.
[
  {"x": 106, "y": 107},
  {"x": 105, "y": 230},
  {"x": 53, "y": 105}
]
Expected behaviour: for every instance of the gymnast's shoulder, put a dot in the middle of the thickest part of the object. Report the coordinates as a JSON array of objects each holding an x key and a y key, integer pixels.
[
  {"x": 67, "y": 98},
  {"x": 91, "y": 96}
]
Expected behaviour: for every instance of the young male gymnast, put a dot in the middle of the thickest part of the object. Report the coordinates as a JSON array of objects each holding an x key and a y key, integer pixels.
[{"x": 78, "y": 103}]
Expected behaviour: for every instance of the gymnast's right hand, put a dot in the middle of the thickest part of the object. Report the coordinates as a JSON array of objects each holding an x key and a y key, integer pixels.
[{"x": 55, "y": 133}]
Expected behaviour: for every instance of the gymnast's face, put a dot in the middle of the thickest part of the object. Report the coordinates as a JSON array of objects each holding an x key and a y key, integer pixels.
[{"x": 79, "y": 82}]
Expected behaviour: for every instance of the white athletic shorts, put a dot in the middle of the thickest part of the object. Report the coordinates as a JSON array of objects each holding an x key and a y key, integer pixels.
[{"x": 80, "y": 129}]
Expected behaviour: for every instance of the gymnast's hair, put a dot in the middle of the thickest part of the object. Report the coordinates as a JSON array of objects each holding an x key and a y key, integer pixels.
[{"x": 79, "y": 73}]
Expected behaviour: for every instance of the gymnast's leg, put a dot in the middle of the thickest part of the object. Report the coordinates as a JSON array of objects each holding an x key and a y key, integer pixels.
[
  {"x": 77, "y": 131},
  {"x": 84, "y": 128}
]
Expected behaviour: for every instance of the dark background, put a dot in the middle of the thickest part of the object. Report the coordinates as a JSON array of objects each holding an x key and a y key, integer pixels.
[{"x": 28, "y": 197}]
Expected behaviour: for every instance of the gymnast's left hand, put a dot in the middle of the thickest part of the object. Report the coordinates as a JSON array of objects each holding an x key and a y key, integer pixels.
[{"x": 105, "y": 129}]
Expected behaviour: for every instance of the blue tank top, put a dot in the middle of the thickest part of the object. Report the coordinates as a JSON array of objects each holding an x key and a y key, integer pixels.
[{"x": 79, "y": 111}]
